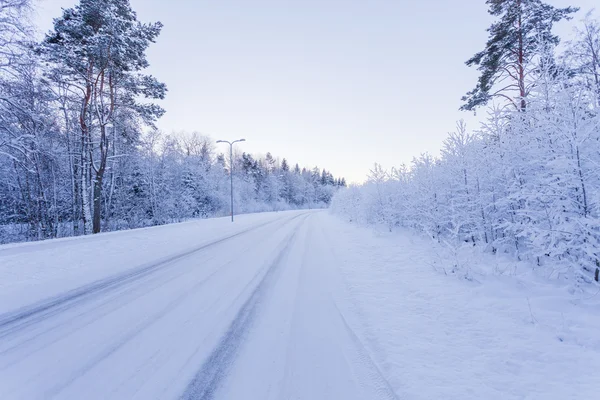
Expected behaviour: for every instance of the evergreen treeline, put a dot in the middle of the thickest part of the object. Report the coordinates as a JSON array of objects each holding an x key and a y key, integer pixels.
[
  {"x": 527, "y": 182},
  {"x": 79, "y": 153}
]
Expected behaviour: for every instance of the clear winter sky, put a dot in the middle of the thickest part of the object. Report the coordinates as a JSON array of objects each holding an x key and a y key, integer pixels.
[{"x": 339, "y": 84}]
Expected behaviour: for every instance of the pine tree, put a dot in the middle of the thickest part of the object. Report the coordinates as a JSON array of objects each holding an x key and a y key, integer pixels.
[
  {"x": 98, "y": 49},
  {"x": 512, "y": 46}
]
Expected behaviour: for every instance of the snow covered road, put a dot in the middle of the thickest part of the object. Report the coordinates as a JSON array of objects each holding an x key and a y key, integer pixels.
[
  {"x": 248, "y": 311},
  {"x": 292, "y": 305}
]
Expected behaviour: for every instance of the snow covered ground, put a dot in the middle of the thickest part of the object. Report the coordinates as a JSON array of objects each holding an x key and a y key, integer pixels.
[
  {"x": 516, "y": 336},
  {"x": 292, "y": 305}
]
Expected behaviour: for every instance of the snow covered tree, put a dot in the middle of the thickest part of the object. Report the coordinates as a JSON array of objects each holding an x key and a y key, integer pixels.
[
  {"x": 30, "y": 175},
  {"x": 15, "y": 31},
  {"x": 508, "y": 58},
  {"x": 583, "y": 55},
  {"x": 97, "y": 50}
]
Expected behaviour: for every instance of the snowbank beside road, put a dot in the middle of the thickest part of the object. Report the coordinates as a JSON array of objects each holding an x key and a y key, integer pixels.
[{"x": 494, "y": 337}]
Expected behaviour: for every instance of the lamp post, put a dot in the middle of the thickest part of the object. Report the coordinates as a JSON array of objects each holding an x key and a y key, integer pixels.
[{"x": 231, "y": 166}]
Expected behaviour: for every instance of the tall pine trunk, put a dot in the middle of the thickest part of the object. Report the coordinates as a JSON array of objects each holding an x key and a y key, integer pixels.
[
  {"x": 98, "y": 178},
  {"x": 85, "y": 195},
  {"x": 97, "y": 218},
  {"x": 521, "y": 58}
]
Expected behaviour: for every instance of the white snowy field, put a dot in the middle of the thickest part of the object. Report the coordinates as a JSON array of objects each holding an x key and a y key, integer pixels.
[{"x": 291, "y": 305}]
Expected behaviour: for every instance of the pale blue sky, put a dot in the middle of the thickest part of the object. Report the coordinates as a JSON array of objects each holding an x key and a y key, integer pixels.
[{"x": 336, "y": 83}]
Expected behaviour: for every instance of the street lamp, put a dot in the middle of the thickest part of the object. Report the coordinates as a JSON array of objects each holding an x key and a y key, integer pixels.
[{"x": 231, "y": 166}]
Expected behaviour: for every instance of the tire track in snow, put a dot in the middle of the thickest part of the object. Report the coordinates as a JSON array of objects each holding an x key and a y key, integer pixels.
[
  {"x": 384, "y": 388},
  {"x": 15, "y": 321},
  {"x": 106, "y": 301},
  {"x": 208, "y": 379},
  {"x": 149, "y": 321},
  {"x": 130, "y": 335},
  {"x": 87, "y": 316}
]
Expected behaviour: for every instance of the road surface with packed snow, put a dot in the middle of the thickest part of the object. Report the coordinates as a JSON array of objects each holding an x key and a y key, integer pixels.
[
  {"x": 293, "y": 305},
  {"x": 245, "y": 312}
]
